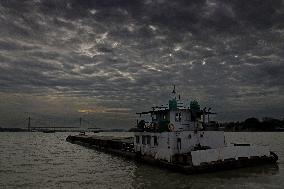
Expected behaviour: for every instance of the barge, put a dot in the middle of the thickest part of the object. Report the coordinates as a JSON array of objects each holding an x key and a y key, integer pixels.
[{"x": 182, "y": 138}]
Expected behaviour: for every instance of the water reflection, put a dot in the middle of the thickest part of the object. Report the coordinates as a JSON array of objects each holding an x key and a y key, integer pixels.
[{"x": 148, "y": 176}]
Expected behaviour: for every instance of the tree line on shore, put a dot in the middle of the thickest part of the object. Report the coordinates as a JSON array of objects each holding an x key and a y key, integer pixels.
[{"x": 254, "y": 124}]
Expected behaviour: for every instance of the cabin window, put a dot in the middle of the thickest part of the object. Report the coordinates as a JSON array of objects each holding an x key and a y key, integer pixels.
[
  {"x": 148, "y": 139},
  {"x": 178, "y": 117},
  {"x": 143, "y": 139},
  {"x": 187, "y": 117},
  {"x": 189, "y": 136},
  {"x": 137, "y": 139},
  {"x": 193, "y": 116},
  {"x": 154, "y": 117},
  {"x": 179, "y": 143},
  {"x": 155, "y": 140}
]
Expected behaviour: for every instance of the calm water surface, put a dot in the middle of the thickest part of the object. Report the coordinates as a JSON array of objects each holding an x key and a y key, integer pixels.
[{"x": 46, "y": 160}]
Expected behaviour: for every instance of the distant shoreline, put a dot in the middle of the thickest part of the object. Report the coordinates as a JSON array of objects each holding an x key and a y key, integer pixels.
[
  {"x": 121, "y": 130},
  {"x": 6, "y": 129}
]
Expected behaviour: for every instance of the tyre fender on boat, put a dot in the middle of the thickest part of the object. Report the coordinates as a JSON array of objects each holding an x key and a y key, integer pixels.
[{"x": 171, "y": 127}]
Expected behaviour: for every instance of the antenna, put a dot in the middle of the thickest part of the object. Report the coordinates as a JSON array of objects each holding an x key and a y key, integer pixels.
[
  {"x": 29, "y": 124},
  {"x": 174, "y": 91},
  {"x": 208, "y": 115}
]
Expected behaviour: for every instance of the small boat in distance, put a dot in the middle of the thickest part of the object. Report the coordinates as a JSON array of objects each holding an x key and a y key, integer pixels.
[
  {"x": 180, "y": 137},
  {"x": 48, "y": 131}
]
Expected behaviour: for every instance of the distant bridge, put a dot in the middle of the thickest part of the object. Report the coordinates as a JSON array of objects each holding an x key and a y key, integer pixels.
[{"x": 54, "y": 127}]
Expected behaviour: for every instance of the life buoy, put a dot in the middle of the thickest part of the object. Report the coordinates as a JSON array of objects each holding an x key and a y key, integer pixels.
[{"x": 171, "y": 127}]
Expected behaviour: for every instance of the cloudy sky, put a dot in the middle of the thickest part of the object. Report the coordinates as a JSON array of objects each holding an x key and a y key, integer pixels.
[{"x": 106, "y": 60}]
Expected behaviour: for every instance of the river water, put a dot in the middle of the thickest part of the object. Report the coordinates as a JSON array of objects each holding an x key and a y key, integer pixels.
[{"x": 46, "y": 160}]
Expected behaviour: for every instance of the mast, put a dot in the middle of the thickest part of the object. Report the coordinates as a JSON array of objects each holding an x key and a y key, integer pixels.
[
  {"x": 208, "y": 115},
  {"x": 174, "y": 91},
  {"x": 29, "y": 124},
  {"x": 173, "y": 101}
]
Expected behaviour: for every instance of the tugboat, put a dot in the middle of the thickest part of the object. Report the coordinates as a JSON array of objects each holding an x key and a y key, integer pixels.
[{"x": 178, "y": 136}]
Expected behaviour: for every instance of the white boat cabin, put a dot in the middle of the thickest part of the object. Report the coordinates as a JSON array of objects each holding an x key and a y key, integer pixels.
[{"x": 176, "y": 129}]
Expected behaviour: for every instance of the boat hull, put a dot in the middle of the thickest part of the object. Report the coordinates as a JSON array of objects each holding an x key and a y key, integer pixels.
[{"x": 124, "y": 147}]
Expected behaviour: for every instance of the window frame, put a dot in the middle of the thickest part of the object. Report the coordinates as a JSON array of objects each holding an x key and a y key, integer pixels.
[
  {"x": 137, "y": 139},
  {"x": 143, "y": 139},
  {"x": 148, "y": 140},
  {"x": 155, "y": 141}
]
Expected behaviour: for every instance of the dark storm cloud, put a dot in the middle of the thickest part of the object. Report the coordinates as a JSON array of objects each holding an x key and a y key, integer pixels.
[{"x": 128, "y": 53}]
